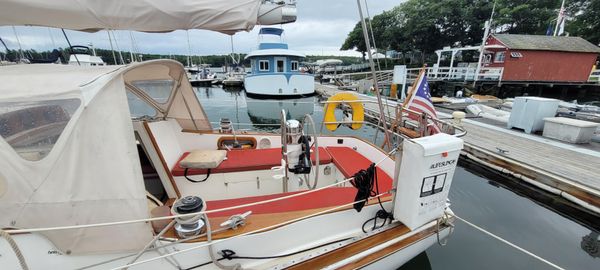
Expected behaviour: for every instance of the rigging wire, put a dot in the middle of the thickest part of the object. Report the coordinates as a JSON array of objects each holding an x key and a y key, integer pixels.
[
  {"x": 112, "y": 49},
  {"x": 70, "y": 46},
  {"x": 372, "y": 33},
  {"x": 19, "y": 43},
  {"x": 189, "y": 54},
  {"x": 374, "y": 74},
  {"x": 247, "y": 233},
  {"x": 118, "y": 48}
]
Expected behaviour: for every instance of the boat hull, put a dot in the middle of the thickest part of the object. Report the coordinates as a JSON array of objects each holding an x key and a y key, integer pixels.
[
  {"x": 280, "y": 85},
  {"x": 387, "y": 248},
  {"x": 233, "y": 82}
]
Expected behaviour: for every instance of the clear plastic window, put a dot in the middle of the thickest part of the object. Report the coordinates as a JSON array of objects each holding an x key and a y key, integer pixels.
[
  {"x": 139, "y": 108},
  {"x": 159, "y": 90},
  {"x": 32, "y": 128}
]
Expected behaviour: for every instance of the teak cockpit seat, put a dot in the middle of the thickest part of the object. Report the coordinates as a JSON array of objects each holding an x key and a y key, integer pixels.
[{"x": 244, "y": 160}]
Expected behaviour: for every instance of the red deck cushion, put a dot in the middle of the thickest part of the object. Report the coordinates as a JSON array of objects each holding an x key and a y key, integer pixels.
[
  {"x": 247, "y": 160},
  {"x": 324, "y": 198},
  {"x": 349, "y": 162}
]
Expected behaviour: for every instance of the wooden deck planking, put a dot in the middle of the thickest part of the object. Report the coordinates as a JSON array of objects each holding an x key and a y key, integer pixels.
[{"x": 578, "y": 167}]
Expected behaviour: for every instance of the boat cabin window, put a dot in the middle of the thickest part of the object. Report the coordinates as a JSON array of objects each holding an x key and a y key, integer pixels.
[
  {"x": 499, "y": 57},
  {"x": 139, "y": 108},
  {"x": 280, "y": 65},
  {"x": 159, "y": 90},
  {"x": 294, "y": 65},
  {"x": 32, "y": 128},
  {"x": 263, "y": 65}
]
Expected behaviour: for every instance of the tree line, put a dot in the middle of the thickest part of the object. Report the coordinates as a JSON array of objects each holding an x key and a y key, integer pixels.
[
  {"x": 107, "y": 57},
  {"x": 427, "y": 25}
]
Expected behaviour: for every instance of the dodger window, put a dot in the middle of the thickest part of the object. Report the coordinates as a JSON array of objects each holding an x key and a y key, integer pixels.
[
  {"x": 159, "y": 90},
  {"x": 32, "y": 128}
]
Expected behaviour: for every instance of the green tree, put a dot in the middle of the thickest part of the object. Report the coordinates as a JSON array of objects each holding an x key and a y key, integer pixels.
[
  {"x": 355, "y": 40},
  {"x": 584, "y": 20},
  {"x": 526, "y": 16}
]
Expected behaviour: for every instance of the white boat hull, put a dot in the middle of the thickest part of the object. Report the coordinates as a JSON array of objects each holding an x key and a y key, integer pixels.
[
  {"x": 280, "y": 85},
  {"x": 41, "y": 254}
]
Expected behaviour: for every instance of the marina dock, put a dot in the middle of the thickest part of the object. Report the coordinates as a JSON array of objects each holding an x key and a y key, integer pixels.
[{"x": 567, "y": 170}]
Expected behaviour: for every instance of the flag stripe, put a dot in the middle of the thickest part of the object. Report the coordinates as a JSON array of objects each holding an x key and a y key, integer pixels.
[
  {"x": 429, "y": 109},
  {"x": 420, "y": 102}
]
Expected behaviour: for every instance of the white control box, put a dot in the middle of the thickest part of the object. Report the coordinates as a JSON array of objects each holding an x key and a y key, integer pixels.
[{"x": 426, "y": 171}]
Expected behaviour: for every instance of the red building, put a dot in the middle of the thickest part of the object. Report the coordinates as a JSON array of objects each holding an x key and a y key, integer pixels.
[{"x": 533, "y": 58}]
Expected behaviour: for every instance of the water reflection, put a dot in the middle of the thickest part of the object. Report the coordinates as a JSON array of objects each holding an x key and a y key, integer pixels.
[
  {"x": 268, "y": 111},
  {"x": 420, "y": 262}
]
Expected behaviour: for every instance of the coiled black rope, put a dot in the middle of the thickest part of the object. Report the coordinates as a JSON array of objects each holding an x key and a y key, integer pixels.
[{"x": 364, "y": 181}]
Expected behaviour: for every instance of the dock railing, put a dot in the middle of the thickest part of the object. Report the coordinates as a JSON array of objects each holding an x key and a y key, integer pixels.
[{"x": 464, "y": 74}]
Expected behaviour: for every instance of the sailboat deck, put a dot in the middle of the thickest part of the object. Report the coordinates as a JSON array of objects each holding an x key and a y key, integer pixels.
[{"x": 566, "y": 167}]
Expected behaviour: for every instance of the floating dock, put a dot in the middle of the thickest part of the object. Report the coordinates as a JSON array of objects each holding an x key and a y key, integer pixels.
[{"x": 570, "y": 171}]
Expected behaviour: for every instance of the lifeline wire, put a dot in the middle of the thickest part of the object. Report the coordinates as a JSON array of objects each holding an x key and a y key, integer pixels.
[
  {"x": 244, "y": 234},
  {"x": 509, "y": 243},
  {"x": 190, "y": 214}
]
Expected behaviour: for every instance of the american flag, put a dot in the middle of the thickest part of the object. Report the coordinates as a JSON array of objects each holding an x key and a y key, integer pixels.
[{"x": 420, "y": 101}]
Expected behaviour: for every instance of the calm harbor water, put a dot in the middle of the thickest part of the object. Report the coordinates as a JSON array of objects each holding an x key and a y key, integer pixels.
[{"x": 540, "y": 224}]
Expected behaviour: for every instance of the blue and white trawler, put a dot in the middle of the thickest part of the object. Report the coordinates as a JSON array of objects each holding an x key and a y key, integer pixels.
[{"x": 276, "y": 69}]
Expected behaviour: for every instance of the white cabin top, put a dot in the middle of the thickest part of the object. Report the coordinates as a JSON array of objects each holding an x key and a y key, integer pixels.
[{"x": 86, "y": 60}]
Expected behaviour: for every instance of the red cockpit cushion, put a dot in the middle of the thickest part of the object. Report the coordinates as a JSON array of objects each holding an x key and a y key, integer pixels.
[
  {"x": 247, "y": 160},
  {"x": 349, "y": 162},
  {"x": 346, "y": 159},
  {"x": 329, "y": 197}
]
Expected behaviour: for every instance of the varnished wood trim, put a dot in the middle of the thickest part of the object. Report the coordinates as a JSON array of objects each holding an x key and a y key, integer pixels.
[
  {"x": 336, "y": 255},
  {"x": 162, "y": 160},
  {"x": 376, "y": 256},
  {"x": 352, "y": 249}
]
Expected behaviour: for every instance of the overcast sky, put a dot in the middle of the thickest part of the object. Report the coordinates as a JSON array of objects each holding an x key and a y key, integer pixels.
[{"x": 320, "y": 29}]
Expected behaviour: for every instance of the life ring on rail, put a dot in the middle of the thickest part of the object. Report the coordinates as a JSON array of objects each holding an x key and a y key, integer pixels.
[{"x": 358, "y": 111}]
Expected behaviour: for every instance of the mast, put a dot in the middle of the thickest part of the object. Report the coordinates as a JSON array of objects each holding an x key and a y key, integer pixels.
[
  {"x": 189, "y": 60},
  {"x": 486, "y": 32},
  {"x": 112, "y": 49}
]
